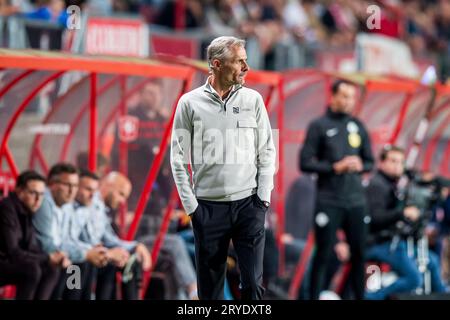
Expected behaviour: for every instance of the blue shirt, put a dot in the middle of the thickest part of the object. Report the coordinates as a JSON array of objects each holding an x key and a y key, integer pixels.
[
  {"x": 44, "y": 13},
  {"x": 52, "y": 224},
  {"x": 94, "y": 226}
]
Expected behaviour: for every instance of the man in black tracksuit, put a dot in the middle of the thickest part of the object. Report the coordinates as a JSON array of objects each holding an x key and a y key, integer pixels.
[{"x": 337, "y": 148}]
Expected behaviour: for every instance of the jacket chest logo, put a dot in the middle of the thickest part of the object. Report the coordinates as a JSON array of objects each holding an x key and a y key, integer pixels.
[
  {"x": 235, "y": 110},
  {"x": 332, "y": 132}
]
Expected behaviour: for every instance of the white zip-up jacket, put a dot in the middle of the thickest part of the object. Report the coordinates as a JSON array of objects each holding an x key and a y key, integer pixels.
[{"x": 228, "y": 145}]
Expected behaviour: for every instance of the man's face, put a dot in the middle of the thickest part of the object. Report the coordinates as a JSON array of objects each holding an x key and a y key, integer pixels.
[
  {"x": 64, "y": 188},
  {"x": 233, "y": 70},
  {"x": 32, "y": 195},
  {"x": 117, "y": 195},
  {"x": 393, "y": 166},
  {"x": 57, "y": 5},
  {"x": 86, "y": 190},
  {"x": 151, "y": 96},
  {"x": 344, "y": 99}
]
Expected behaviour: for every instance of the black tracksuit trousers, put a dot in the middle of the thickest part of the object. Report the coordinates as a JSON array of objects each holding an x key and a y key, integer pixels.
[
  {"x": 215, "y": 224},
  {"x": 328, "y": 219}
]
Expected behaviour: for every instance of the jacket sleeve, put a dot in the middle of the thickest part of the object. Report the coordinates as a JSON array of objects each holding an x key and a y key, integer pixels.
[
  {"x": 266, "y": 153},
  {"x": 110, "y": 239},
  {"x": 42, "y": 221},
  {"x": 366, "y": 150},
  {"x": 75, "y": 247},
  {"x": 180, "y": 153},
  {"x": 381, "y": 216},
  {"x": 9, "y": 230},
  {"x": 309, "y": 161}
]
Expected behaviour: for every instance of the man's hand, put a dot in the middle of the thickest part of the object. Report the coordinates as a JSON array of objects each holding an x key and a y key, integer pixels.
[
  {"x": 97, "y": 256},
  {"x": 354, "y": 164},
  {"x": 144, "y": 256},
  {"x": 56, "y": 258},
  {"x": 65, "y": 262},
  {"x": 341, "y": 166},
  {"x": 348, "y": 164},
  {"x": 342, "y": 251},
  {"x": 287, "y": 238},
  {"x": 118, "y": 256},
  {"x": 412, "y": 213}
]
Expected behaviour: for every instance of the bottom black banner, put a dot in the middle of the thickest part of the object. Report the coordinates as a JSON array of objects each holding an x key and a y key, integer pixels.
[{"x": 266, "y": 309}]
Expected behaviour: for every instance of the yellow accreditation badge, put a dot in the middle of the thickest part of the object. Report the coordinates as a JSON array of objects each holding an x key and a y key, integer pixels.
[{"x": 354, "y": 139}]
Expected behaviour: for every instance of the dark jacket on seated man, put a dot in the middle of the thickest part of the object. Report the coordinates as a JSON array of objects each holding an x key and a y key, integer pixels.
[
  {"x": 22, "y": 262},
  {"x": 17, "y": 236},
  {"x": 385, "y": 205}
]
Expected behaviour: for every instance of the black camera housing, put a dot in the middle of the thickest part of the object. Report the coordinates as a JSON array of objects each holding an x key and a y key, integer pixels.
[{"x": 423, "y": 193}]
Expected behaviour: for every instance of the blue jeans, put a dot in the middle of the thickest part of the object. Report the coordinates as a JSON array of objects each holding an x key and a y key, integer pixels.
[
  {"x": 409, "y": 277},
  {"x": 435, "y": 273}
]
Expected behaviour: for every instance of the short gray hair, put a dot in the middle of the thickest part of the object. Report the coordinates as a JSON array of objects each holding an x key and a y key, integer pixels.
[{"x": 219, "y": 48}]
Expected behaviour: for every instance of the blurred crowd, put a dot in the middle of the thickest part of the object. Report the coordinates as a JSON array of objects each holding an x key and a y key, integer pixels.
[{"x": 423, "y": 25}]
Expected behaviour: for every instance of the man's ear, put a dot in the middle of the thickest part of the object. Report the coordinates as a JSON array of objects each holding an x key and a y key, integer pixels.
[
  {"x": 216, "y": 64},
  {"x": 18, "y": 190}
]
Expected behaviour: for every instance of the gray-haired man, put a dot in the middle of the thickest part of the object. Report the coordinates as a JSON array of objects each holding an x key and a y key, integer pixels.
[{"x": 222, "y": 130}]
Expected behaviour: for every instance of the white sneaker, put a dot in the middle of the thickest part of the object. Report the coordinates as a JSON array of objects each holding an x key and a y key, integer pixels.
[{"x": 329, "y": 295}]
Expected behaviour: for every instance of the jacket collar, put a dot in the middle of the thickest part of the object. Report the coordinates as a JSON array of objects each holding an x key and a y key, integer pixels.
[
  {"x": 336, "y": 115},
  {"x": 209, "y": 88},
  {"x": 391, "y": 180},
  {"x": 20, "y": 207}
]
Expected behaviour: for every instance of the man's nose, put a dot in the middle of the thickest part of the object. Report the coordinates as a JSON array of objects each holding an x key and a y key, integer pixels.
[{"x": 245, "y": 67}]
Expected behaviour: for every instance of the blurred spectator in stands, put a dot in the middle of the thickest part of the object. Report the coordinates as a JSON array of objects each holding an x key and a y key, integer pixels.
[
  {"x": 193, "y": 14},
  {"x": 52, "y": 220},
  {"x": 50, "y": 10},
  {"x": 151, "y": 116},
  {"x": 8, "y": 8},
  {"x": 250, "y": 19},
  {"x": 264, "y": 21},
  {"x": 99, "y": 7},
  {"x": 102, "y": 163},
  {"x": 340, "y": 20},
  {"x": 391, "y": 23},
  {"x": 223, "y": 16},
  {"x": 22, "y": 261},
  {"x": 419, "y": 25},
  {"x": 302, "y": 21},
  {"x": 125, "y": 6},
  {"x": 443, "y": 37}
]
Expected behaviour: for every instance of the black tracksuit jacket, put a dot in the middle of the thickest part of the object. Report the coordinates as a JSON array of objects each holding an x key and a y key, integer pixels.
[{"x": 329, "y": 139}]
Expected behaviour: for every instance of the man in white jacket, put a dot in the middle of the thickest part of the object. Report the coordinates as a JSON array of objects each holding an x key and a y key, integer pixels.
[{"x": 222, "y": 131}]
